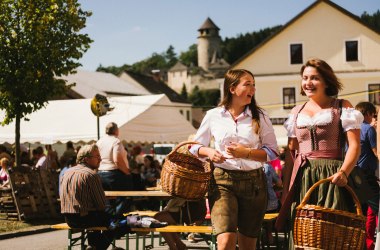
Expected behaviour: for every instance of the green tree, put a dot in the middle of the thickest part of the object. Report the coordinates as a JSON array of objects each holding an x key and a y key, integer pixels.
[
  {"x": 156, "y": 61},
  {"x": 171, "y": 57},
  {"x": 235, "y": 48},
  {"x": 39, "y": 42},
  {"x": 372, "y": 20},
  {"x": 196, "y": 97},
  {"x": 184, "y": 92},
  {"x": 190, "y": 57},
  {"x": 113, "y": 69},
  {"x": 211, "y": 97}
]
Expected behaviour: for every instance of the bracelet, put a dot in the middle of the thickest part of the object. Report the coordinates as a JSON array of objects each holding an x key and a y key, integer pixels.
[
  {"x": 340, "y": 170},
  {"x": 249, "y": 153}
]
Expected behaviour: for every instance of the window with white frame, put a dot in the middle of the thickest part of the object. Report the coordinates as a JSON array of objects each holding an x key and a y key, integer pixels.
[
  {"x": 296, "y": 54},
  {"x": 352, "y": 51},
  {"x": 289, "y": 98},
  {"x": 374, "y": 93}
]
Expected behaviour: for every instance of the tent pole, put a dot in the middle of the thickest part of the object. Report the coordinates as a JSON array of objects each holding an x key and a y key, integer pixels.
[{"x": 97, "y": 118}]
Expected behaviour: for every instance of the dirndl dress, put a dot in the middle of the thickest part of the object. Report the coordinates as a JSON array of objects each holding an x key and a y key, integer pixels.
[{"x": 320, "y": 155}]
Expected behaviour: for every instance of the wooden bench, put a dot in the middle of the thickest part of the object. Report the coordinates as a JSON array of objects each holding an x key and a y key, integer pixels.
[
  {"x": 268, "y": 218},
  {"x": 172, "y": 229},
  {"x": 142, "y": 213},
  {"x": 73, "y": 241}
]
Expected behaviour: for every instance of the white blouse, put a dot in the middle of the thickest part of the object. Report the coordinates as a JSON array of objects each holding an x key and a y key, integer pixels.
[
  {"x": 218, "y": 124},
  {"x": 351, "y": 119}
]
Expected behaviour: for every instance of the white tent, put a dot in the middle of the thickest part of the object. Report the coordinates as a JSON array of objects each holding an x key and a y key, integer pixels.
[{"x": 149, "y": 118}]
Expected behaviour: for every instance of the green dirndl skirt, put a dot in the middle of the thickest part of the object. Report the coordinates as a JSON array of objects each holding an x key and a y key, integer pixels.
[{"x": 327, "y": 194}]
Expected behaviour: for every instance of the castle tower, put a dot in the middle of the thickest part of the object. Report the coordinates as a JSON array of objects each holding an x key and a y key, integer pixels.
[{"x": 208, "y": 44}]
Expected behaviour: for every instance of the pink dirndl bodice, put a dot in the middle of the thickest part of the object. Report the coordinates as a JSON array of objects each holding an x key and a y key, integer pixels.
[{"x": 325, "y": 137}]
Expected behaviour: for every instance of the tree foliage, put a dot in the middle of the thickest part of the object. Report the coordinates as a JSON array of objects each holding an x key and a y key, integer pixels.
[
  {"x": 39, "y": 42},
  {"x": 114, "y": 69},
  {"x": 163, "y": 61},
  {"x": 170, "y": 57},
  {"x": 372, "y": 20},
  {"x": 190, "y": 57},
  {"x": 184, "y": 92},
  {"x": 205, "y": 97},
  {"x": 235, "y": 48}
]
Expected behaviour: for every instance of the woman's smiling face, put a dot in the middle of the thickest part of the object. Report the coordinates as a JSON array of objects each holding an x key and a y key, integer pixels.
[
  {"x": 312, "y": 82},
  {"x": 244, "y": 90}
]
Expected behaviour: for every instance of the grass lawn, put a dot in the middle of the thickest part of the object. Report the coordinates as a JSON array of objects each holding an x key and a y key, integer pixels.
[{"x": 7, "y": 226}]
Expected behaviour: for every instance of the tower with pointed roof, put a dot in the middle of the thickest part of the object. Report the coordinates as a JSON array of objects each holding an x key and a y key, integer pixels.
[
  {"x": 208, "y": 44},
  {"x": 211, "y": 66}
]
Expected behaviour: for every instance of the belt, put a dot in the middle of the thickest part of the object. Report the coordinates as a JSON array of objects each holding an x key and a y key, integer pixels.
[
  {"x": 108, "y": 170},
  {"x": 256, "y": 172}
]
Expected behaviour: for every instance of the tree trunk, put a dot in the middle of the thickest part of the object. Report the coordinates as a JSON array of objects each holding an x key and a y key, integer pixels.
[{"x": 17, "y": 141}]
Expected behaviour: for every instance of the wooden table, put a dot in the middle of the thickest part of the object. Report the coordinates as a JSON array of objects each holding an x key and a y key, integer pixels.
[{"x": 159, "y": 193}]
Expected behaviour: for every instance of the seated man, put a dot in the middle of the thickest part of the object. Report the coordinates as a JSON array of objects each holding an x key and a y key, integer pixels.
[{"x": 83, "y": 199}]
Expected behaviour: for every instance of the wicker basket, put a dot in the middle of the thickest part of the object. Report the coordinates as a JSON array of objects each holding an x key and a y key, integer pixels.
[
  {"x": 184, "y": 175},
  {"x": 317, "y": 227}
]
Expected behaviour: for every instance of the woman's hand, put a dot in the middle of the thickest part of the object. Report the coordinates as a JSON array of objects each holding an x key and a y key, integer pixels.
[
  {"x": 215, "y": 155},
  {"x": 212, "y": 154},
  {"x": 340, "y": 179},
  {"x": 237, "y": 150}
]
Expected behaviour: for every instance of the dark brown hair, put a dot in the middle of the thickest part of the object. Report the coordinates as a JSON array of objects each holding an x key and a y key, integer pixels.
[
  {"x": 332, "y": 82},
  {"x": 366, "y": 108}
]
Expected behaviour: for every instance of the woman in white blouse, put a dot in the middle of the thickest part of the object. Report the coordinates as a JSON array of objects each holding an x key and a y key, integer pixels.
[
  {"x": 243, "y": 139},
  {"x": 317, "y": 131}
]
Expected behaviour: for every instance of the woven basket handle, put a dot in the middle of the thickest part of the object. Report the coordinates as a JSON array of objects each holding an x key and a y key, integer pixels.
[
  {"x": 181, "y": 144},
  {"x": 349, "y": 189}
]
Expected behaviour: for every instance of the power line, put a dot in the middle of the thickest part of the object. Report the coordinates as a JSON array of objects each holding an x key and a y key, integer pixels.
[{"x": 266, "y": 106}]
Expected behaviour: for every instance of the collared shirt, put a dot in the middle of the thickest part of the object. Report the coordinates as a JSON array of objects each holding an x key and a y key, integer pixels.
[
  {"x": 220, "y": 125},
  {"x": 81, "y": 191}
]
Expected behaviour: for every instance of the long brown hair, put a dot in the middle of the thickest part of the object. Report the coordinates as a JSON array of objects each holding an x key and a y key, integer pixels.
[{"x": 232, "y": 79}]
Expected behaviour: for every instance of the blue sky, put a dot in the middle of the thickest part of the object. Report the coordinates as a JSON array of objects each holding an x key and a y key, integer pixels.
[{"x": 126, "y": 31}]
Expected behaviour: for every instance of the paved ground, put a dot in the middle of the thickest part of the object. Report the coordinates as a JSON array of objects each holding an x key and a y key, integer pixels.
[
  {"x": 42, "y": 238},
  {"x": 39, "y": 239}
]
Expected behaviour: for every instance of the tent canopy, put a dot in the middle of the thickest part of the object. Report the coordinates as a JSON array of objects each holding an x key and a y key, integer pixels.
[{"x": 149, "y": 118}]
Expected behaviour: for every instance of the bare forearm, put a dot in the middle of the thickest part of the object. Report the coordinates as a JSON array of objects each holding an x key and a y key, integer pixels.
[
  {"x": 204, "y": 151},
  {"x": 350, "y": 159},
  {"x": 256, "y": 154}
]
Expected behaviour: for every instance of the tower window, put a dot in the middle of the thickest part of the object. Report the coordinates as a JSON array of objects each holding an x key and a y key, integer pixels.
[
  {"x": 296, "y": 54},
  {"x": 352, "y": 51}
]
